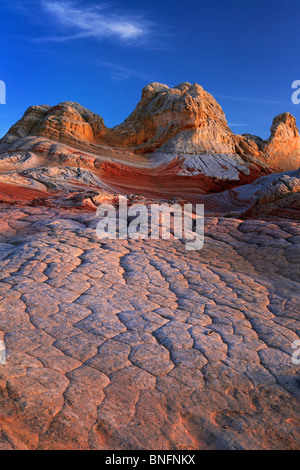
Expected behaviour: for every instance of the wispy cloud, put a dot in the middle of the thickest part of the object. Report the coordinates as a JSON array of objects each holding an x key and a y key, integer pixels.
[
  {"x": 119, "y": 72},
  {"x": 77, "y": 20},
  {"x": 237, "y": 124},
  {"x": 250, "y": 100}
]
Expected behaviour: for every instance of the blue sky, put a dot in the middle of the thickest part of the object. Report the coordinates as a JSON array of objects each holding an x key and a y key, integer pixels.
[{"x": 102, "y": 53}]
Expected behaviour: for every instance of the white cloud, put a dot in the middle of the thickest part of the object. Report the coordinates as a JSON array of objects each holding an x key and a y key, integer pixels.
[
  {"x": 250, "y": 100},
  {"x": 237, "y": 124},
  {"x": 79, "y": 21},
  {"x": 123, "y": 73}
]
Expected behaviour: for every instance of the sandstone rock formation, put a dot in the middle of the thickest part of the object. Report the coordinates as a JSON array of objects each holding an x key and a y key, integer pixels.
[
  {"x": 131, "y": 344},
  {"x": 162, "y": 113},
  {"x": 283, "y": 147},
  {"x": 176, "y": 140},
  {"x": 186, "y": 112},
  {"x": 276, "y": 195}
]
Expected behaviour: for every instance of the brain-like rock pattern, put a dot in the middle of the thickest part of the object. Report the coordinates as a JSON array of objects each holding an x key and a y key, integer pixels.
[{"x": 144, "y": 345}]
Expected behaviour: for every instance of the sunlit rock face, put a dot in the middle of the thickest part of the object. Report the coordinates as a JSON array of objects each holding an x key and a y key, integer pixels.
[
  {"x": 164, "y": 112},
  {"x": 65, "y": 122},
  {"x": 283, "y": 147}
]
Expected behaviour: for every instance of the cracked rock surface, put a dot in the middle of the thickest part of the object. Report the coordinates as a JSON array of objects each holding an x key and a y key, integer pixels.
[{"x": 123, "y": 344}]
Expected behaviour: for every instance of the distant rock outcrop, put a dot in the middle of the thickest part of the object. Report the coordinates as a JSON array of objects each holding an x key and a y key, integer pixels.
[
  {"x": 176, "y": 143},
  {"x": 65, "y": 122},
  {"x": 283, "y": 147}
]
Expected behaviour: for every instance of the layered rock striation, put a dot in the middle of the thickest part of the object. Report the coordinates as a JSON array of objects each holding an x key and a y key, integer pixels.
[{"x": 176, "y": 141}]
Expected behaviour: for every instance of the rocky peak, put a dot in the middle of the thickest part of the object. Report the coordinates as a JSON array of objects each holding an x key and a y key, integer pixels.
[
  {"x": 164, "y": 112},
  {"x": 282, "y": 149},
  {"x": 67, "y": 121},
  {"x": 173, "y": 121},
  {"x": 153, "y": 89},
  {"x": 284, "y": 127}
]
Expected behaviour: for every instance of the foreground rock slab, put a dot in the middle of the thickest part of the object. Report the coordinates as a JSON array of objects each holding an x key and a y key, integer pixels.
[{"x": 143, "y": 345}]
